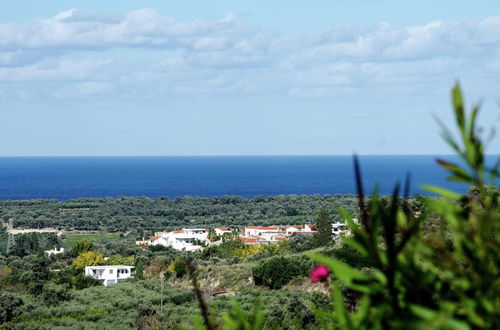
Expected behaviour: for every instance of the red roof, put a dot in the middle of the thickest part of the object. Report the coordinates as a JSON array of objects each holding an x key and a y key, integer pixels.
[
  {"x": 154, "y": 238},
  {"x": 178, "y": 232},
  {"x": 250, "y": 239},
  {"x": 224, "y": 229},
  {"x": 261, "y": 228}
]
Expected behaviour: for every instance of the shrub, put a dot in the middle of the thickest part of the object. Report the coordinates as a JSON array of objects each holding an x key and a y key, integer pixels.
[
  {"x": 179, "y": 267},
  {"x": 53, "y": 294},
  {"x": 301, "y": 243},
  {"x": 9, "y": 306},
  {"x": 182, "y": 297},
  {"x": 276, "y": 272}
]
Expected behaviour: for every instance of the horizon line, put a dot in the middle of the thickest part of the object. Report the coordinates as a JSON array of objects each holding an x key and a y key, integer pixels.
[{"x": 230, "y": 155}]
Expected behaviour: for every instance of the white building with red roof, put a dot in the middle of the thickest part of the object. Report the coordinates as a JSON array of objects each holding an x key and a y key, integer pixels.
[
  {"x": 186, "y": 239},
  {"x": 262, "y": 230},
  {"x": 251, "y": 240},
  {"x": 222, "y": 230}
]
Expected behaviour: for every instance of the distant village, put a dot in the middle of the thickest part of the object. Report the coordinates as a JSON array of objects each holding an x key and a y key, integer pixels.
[{"x": 195, "y": 239}]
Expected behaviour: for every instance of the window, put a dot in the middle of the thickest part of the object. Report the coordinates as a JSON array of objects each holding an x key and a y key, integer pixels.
[{"x": 111, "y": 271}]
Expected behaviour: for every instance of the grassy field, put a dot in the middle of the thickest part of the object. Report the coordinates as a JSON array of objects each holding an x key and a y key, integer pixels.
[{"x": 70, "y": 238}]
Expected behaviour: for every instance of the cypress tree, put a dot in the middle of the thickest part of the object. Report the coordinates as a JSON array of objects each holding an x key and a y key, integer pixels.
[
  {"x": 35, "y": 246},
  {"x": 323, "y": 236}
]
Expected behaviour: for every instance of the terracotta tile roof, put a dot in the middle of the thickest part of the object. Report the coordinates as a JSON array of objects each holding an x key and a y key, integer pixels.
[
  {"x": 250, "y": 239},
  {"x": 223, "y": 228},
  {"x": 262, "y": 228},
  {"x": 178, "y": 231},
  {"x": 154, "y": 238}
]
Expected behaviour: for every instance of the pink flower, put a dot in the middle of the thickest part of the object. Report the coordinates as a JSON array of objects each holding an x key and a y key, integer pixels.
[{"x": 319, "y": 274}]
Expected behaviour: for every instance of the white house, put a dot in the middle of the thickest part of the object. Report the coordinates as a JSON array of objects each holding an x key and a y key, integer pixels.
[
  {"x": 261, "y": 230},
  {"x": 54, "y": 251},
  {"x": 290, "y": 230},
  {"x": 339, "y": 228},
  {"x": 222, "y": 230},
  {"x": 185, "y": 239},
  {"x": 142, "y": 241},
  {"x": 110, "y": 274}
]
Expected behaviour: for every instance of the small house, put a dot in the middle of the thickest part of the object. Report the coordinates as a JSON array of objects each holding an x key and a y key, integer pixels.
[{"x": 111, "y": 274}]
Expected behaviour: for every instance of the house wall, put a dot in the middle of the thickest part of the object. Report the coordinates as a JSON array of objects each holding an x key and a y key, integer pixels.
[{"x": 109, "y": 274}]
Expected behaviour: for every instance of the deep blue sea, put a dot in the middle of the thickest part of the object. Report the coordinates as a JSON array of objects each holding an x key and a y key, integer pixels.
[{"x": 63, "y": 178}]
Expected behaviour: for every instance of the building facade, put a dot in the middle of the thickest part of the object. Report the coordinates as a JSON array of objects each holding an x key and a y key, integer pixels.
[{"x": 110, "y": 274}]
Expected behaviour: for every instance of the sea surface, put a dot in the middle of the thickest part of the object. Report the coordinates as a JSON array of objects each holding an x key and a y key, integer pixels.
[{"x": 64, "y": 178}]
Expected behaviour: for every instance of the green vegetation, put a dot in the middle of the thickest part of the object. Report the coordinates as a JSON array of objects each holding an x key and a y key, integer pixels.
[
  {"x": 449, "y": 279},
  {"x": 425, "y": 263},
  {"x": 406, "y": 276},
  {"x": 69, "y": 239},
  {"x": 277, "y": 272},
  {"x": 158, "y": 214},
  {"x": 323, "y": 236}
]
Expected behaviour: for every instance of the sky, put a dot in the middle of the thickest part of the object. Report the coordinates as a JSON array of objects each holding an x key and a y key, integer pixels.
[{"x": 317, "y": 77}]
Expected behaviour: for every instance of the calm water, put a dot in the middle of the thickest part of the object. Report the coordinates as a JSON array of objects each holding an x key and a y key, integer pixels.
[{"x": 71, "y": 177}]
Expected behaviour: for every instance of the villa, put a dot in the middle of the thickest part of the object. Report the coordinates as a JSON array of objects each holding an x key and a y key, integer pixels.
[
  {"x": 222, "y": 230},
  {"x": 109, "y": 274},
  {"x": 261, "y": 230}
]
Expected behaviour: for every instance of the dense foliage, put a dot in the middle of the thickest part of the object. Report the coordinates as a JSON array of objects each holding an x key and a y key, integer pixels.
[
  {"x": 142, "y": 213},
  {"x": 447, "y": 280},
  {"x": 278, "y": 271}
]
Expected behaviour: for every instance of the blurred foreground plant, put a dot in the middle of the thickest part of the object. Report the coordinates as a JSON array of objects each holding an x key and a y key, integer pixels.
[{"x": 447, "y": 280}]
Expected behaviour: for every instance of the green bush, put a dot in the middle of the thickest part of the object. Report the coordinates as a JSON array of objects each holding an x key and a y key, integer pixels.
[
  {"x": 449, "y": 279},
  {"x": 182, "y": 297},
  {"x": 277, "y": 272},
  {"x": 180, "y": 267},
  {"x": 53, "y": 294},
  {"x": 81, "y": 246},
  {"x": 9, "y": 306}
]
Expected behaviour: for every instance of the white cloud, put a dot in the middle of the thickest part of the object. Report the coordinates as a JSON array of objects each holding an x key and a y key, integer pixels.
[
  {"x": 76, "y": 51},
  {"x": 62, "y": 71}
]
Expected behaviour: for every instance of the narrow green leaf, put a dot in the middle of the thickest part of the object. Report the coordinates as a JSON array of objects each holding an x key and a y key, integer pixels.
[
  {"x": 339, "y": 308},
  {"x": 433, "y": 316},
  {"x": 442, "y": 191},
  {"x": 455, "y": 169},
  {"x": 458, "y": 105},
  {"x": 456, "y": 178},
  {"x": 355, "y": 245}
]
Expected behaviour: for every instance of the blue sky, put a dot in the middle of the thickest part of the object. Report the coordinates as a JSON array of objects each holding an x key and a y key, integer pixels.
[{"x": 241, "y": 78}]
